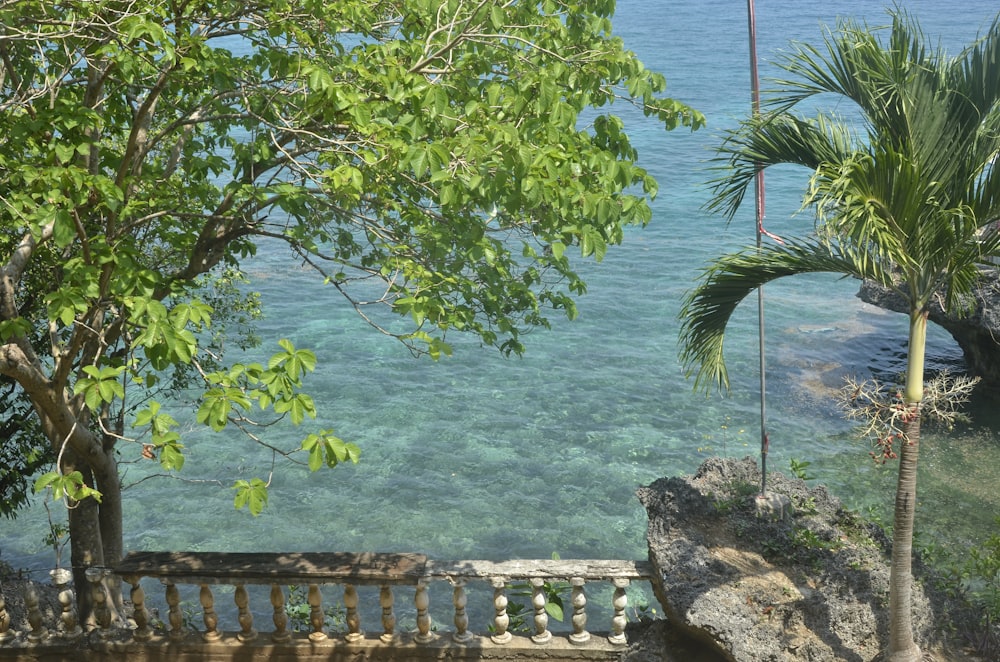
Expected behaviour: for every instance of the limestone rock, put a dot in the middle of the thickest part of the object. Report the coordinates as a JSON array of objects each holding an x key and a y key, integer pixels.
[
  {"x": 812, "y": 586},
  {"x": 977, "y": 332}
]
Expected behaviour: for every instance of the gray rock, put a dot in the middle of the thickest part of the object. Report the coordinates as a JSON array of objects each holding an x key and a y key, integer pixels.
[
  {"x": 976, "y": 330},
  {"x": 811, "y": 586}
]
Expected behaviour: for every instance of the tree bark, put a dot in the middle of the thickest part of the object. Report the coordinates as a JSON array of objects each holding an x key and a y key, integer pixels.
[
  {"x": 110, "y": 514},
  {"x": 902, "y": 647},
  {"x": 86, "y": 547},
  {"x": 95, "y": 530},
  {"x": 110, "y": 524}
]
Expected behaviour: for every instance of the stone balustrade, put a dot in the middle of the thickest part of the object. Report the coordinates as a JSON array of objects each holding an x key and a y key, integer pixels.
[{"x": 390, "y": 578}]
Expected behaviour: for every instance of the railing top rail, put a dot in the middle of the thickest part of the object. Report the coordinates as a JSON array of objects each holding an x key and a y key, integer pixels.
[
  {"x": 284, "y": 567},
  {"x": 364, "y": 568},
  {"x": 589, "y": 569}
]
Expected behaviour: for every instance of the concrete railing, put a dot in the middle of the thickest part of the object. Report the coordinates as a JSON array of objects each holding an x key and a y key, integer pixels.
[{"x": 394, "y": 582}]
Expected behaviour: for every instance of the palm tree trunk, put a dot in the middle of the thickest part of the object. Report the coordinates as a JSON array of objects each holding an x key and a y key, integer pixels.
[{"x": 902, "y": 647}]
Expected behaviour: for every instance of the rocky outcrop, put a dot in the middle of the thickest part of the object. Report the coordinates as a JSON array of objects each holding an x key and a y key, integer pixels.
[
  {"x": 977, "y": 332},
  {"x": 812, "y": 585}
]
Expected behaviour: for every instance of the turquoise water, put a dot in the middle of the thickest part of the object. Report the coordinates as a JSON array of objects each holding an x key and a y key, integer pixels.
[{"x": 478, "y": 456}]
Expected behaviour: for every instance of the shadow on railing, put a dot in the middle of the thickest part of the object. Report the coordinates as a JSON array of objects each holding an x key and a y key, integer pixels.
[{"x": 146, "y": 637}]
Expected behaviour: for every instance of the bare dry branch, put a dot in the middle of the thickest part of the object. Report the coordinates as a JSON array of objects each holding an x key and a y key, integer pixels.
[{"x": 882, "y": 413}]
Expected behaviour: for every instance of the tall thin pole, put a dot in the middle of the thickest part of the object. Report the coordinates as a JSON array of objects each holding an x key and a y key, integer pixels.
[{"x": 759, "y": 199}]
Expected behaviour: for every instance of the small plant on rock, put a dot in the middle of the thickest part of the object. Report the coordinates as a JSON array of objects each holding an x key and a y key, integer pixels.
[
  {"x": 299, "y": 611},
  {"x": 983, "y": 576},
  {"x": 798, "y": 469}
]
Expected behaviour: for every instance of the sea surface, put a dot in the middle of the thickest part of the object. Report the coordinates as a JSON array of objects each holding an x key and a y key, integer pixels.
[{"x": 479, "y": 456}]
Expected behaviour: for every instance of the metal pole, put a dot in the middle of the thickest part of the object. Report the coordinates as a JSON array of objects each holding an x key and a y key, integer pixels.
[{"x": 759, "y": 199}]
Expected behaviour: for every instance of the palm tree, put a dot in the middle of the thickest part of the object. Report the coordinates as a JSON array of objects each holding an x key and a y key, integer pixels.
[{"x": 907, "y": 196}]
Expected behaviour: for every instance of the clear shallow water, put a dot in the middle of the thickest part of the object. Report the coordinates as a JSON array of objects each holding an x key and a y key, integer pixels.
[{"x": 483, "y": 457}]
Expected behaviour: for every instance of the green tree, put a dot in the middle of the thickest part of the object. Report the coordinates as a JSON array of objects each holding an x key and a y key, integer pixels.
[
  {"x": 907, "y": 197},
  {"x": 431, "y": 159},
  {"x": 24, "y": 451}
]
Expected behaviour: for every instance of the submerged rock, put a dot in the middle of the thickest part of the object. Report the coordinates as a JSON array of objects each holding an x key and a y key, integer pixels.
[{"x": 807, "y": 585}]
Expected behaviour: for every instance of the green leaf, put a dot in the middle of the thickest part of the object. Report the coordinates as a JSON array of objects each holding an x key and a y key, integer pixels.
[
  {"x": 316, "y": 458},
  {"x": 302, "y": 406},
  {"x": 214, "y": 409},
  {"x": 102, "y": 385},
  {"x": 294, "y": 362},
  {"x": 326, "y": 447},
  {"x": 66, "y": 485},
  {"x": 15, "y": 328},
  {"x": 65, "y": 304},
  {"x": 497, "y": 18},
  {"x": 160, "y": 423},
  {"x": 171, "y": 457},
  {"x": 63, "y": 229},
  {"x": 252, "y": 494},
  {"x": 45, "y": 480}
]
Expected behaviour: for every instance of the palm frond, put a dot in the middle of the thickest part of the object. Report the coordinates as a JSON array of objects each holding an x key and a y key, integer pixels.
[
  {"x": 910, "y": 200},
  {"x": 983, "y": 191},
  {"x": 814, "y": 71},
  {"x": 975, "y": 70},
  {"x": 730, "y": 279},
  {"x": 781, "y": 139},
  {"x": 855, "y": 199},
  {"x": 855, "y": 64}
]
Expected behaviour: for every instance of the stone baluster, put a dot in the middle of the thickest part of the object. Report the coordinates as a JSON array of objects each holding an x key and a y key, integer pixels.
[
  {"x": 618, "y": 621},
  {"x": 31, "y": 602},
  {"x": 538, "y": 601},
  {"x": 245, "y": 616},
  {"x": 460, "y": 600},
  {"x": 209, "y": 616},
  {"x": 354, "y": 633},
  {"x": 281, "y": 633},
  {"x": 139, "y": 613},
  {"x": 579, "y": 600},
  {"x": 501, "y": 621},
  {"x": 95, "y": 576},
  {"x": 174, "y": 614},
  {"x": 61, "y": 577},
  {"x": 316, "y": 618},
  {"x": 422, "y": 601},
  {"x": 5, "y": 633},
  {"x": 388, "y": 617}
]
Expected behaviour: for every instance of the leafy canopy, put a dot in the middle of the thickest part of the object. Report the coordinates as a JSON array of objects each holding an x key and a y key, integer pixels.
[{"x": 430, "y": 159}]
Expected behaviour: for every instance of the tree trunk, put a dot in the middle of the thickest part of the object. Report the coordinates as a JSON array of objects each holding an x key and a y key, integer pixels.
[
  {"x": 902, "y": 647},
  {"x": 86, "y": 549},
  {"x": 110, "y": 522},
  {"x": 110, "y": 485},
  {"x": 95, "y": 530}
]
